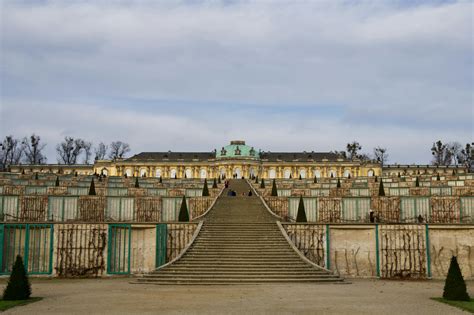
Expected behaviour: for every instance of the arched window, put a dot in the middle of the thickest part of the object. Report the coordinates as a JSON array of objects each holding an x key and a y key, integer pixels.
[
  {"x": 347, "y": 173},
  {"x": 238, "y": 172},
  {"x": 317, "y": 173},
  {"x": 370, "y": 173},
  {"x": 128, "y": 172},
  {"x": 173, "y": 173},
  {"x": 303, "y": 173},
  {"x": 158, "y": 172},
  {"x": 272, "y": 173},
  {"x": 332, "y": 173},
  {"x": 189, "y": 173},
  {"x": 203, "y": 173},
  {"x": 142, "y": 172},
  {"x": 287, "y": 173}
]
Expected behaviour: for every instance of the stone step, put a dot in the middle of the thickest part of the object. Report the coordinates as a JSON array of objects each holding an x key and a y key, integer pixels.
[{"x": 227, "y": 280}]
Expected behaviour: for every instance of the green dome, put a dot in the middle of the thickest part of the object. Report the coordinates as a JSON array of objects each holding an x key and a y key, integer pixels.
[{"x": 237, "y": 149}]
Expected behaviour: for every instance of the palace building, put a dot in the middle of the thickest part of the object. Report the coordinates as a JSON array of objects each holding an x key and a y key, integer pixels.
[{"x": 236, "y": 159}]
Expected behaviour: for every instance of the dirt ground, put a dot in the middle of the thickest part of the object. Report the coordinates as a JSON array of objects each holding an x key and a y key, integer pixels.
[{"x": 118, "y": 296}]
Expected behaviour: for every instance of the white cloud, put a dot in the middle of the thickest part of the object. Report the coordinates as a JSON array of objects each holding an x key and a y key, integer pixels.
[{"x": 400, "y": 76}]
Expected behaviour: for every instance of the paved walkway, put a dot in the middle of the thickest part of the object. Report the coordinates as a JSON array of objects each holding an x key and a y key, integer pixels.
[{"x": 117, "y": 296}]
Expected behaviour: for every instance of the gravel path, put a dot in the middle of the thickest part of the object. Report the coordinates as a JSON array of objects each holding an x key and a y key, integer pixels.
[{"x": 117, "y": 296}]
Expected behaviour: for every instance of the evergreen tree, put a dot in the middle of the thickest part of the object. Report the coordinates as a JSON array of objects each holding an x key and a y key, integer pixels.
[
  {"x": 23, "y": 172},
  {"x": 332, "y": 175},
  {"x": 256, "y": 179},
  {"x": 455, "y": 287},
  {"x": 454, "y": 172},
  {"x": 183, "y": 211},
  {"x": 338, "y": 183},
  {"x": 125, "y": 175},
  {"x": 57, "y": 181},
  {"x": 92, "y": 188},
  {"x": 417, "y": 182},
  {"x": 437, "y": 177},
  {"x": 376, "y": 179},
  {"x": 262, "y": 184},
  {"x": 349, "y": 176},
  {"x": 300, "y": 178},
  {"x": 205, "y": 189},
  {"x": 185, "y": 176},
  {"x": 36, "y": 176},
  {"x": 214, "y": 184},
  {"x": 381, "y": 189},
  {"x": 219, "y": 180},
  {"x": 315, "y": 180},
  {"x": 75, "y": 174},
  {"x": 291, "y": 176},
  {"x": 161, "y": 180},
  {"x": 18, "y": 287},
  {"x": 399, "y": 175},
  {"x": 274, "y": 189},
  {"x": 301, "y": 216},
  {"x": 137, "y": 184}
]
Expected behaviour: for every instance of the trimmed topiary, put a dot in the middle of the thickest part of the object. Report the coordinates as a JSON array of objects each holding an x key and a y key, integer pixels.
[
  {"x": 338, "y": 183},
  {"x": 205, "y": 189},
  {"x": 438, "y": 178},
  {"x": 36, "y": 176},
  {"x": 274, "y": 189},
  {"x": 92, "y": 188},
  {"x": 454, "y": 172},
  {"x": 137, "y": 184},
  {"x": 300, "y": 178},
  {"x": 332, "y": 175},
  {"x": 262, "y": 184},
  {"x": 256, "y": 179},
  {"x": 161, "y": 180},
  {"x": 23, "y": 172},
  {"x": 57, "y": 181},
  {"x": 219, "y": 180},
  {"x": 18, "y": 287},
  {"x": 455, "y": 287},
  {"x": 381, "y": 189},
  {"x": 349, "y": 176},
  {"x": 214, "y": 184},
  {"x": 183, "y": 211},
  {"x": 315, "y": 180},
  {"x": 376, "y": 179},
  {"x": 301, "y": 216},
  {"x": 291, "y": 176},
  {"x": 125, "y": 175},
  {"x": 417, "y": 182}
]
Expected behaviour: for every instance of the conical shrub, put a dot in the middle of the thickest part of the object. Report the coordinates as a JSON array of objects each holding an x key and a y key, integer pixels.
[
  {"x": 214, "y": 184},
  {"x": 92, "y": 188},
  {"x": 57, "y": 181},
  {"x": 274, "y": 189},
  {"x": 18, "y": 287},
  {"x": 219, "y": 180},
  {"x": 376, "y": 179},
  {"x": 36, "y": 176},
  {"x": 301, "y": 216},
  {"x": 381, "y": 189},
  {"x": 23, "y": 172},
  {"x": 183, "y": 211},
  {"x": 262, "y": 184},
  {"x": 417, "y": 182},
  {"x": 300, "y": 178},
  {"x": 137, "y": 184},
  {"x": 338, "y": 183},
  {"x": 455, "y": 287},
  {"x": 205, "y": 189},
  {"x": 256, "y": 179},
  {"x": 315, "y": 180},
  {"x": 125, "y": 175},
  {"x": 161, "y": 180},
  {"x": 438, "y": 178}
]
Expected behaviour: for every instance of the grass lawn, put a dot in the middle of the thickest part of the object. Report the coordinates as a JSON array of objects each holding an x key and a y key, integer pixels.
[
  {"x": 4, "y": 305},
  {"x": 464, "y": 305}
]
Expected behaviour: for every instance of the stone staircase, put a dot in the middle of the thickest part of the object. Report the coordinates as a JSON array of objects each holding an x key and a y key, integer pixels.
[{"x": 239, "y": 243}]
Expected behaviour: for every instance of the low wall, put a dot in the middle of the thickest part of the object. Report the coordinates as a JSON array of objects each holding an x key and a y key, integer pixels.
[
  {"x": 386, "y": 251},
  {"x": 92, "y": 250}
]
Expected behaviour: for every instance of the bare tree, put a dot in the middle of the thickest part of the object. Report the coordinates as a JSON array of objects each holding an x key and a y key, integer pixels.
[
  {"x": 118, "y": 149},
  {"x": 353, "y": 149},
  {"x": 100, "y": 151},
  {"x": 381, "y": 155},
  {"x": 466, "y": 156},
  {"x": 11, "y": 152},
  {"x": 34, "y": 150},
  {"x": 87, "y": 151},
  {"x": 454, "y": 149},
  {"x": 69, "y": 150},
  {"x": 441, "y": 154}
]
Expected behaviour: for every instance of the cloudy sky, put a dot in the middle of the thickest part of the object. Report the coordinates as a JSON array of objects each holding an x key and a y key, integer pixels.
[{"x": 283, "y": 75}]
